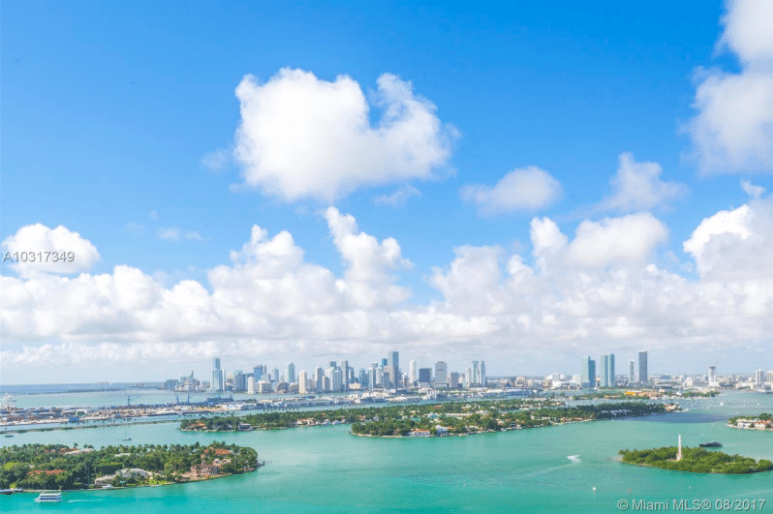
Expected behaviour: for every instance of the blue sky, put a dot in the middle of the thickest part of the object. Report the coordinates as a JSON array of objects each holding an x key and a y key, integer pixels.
[{"x": 113, "y": 114}]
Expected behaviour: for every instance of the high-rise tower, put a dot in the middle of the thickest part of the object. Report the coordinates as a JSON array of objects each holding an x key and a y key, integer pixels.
[
  {"x": 393, "y": 368},
  {"x": 588, "y": 373},
  {"x": 643, "y": 375}
]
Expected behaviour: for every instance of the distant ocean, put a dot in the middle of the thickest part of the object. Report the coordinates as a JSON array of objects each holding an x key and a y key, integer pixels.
[{"x": 74, "y": 388}]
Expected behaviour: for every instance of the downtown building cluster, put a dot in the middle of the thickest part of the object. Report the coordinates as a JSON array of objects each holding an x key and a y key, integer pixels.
[{"x": 336, "y": 376}]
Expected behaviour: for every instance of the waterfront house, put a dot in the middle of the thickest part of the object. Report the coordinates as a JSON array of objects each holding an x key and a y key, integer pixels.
[
  {"x": 419, "y": 433},
  {"x": 125, "y": 474},
  {"x": 204, "y": 470},
  {"x": 47, "y": 472}
]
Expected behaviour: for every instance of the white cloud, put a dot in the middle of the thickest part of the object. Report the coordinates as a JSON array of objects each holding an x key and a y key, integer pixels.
[
  {"x": 597, "y": 290},
  {"x": 153, "y": 216},
  {"x": 637, "y": 186},
  {"x": 398, "y": 197},
  {"x": 610, "y": 241},
  {"x": 733, "y": 129},
  {"x": 369, "y": 277},
  {"x": 192, "y": 235},
  {"x": 524, "y": 189},
  {"x": 57, "y": 250},
  {"x": 136, "y": 229},
  {"x": 630, "y": 238},
  {"x": 747, "y": 30},
  {"x": 175, "y": 234},
  {"x": 751, "y": 189},
  {"x": 217, "y": 160},
  {"x": 168, "y": 233},
  {"x": 302, "y": 137},
  {"x": 735, "y": 245}
]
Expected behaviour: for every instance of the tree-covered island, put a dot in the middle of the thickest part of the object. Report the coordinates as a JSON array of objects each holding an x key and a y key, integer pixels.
[
  {"x": 56, "y": 466},
  {"x": 695, "y": 460},
  {"x": 456, "y": 418},
  {"x": 475, "y": 419}
]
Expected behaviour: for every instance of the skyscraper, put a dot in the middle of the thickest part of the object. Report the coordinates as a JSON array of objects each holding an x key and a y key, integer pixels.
[
  {"x": 425, "y": 376},
  {"x": 240, "y": 381},
  {"x": 588, "y": 373},
  {"x": 631, "y": 372},
  {"x": 218, "y": 380},
  {"x": 611, "y": 371},
  {"x": 413, "y": 374},
  {"x": 604, "y": 371},
  {"x": 643, "y": 376},
  {"x": 441, "y": 375},
  {"x": 345, "y": 375},
  {"x": 257, "y": 371},
  {"x": 393, "y": 368},
  {"x": 482, "y": 373},
  {"x": 475, "y": 373},
  {"x": 303, "y": 382},
  {"x": 712, "y": 376},
  {"x": 759, "y": 377},
  {"x": 290, "y": 373},
  {"x": 319, "y": 380}
]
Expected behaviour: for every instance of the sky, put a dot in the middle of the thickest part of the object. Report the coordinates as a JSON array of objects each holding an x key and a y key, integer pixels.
[{"x": 290, "y": 181}]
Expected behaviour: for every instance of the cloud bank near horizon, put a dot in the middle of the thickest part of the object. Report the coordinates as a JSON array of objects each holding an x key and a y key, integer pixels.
[{"x": 600, "y": 289}]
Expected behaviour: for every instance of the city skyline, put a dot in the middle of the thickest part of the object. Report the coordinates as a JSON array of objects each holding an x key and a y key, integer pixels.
[{"x": 514, "y": 183}]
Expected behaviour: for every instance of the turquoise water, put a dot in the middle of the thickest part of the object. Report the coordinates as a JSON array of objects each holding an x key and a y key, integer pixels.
[{"x": 325, "y": 469}]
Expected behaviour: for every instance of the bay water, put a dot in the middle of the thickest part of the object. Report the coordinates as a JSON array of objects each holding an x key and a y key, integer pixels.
[{"x": 326, "y": 469}]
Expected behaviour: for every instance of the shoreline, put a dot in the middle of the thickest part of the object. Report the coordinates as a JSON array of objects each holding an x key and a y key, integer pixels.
[
  {"x": 82, "y": 427},
  {"x": 94, "y": 489},
  {"x": 693, "y": 472},
  {"x": 750, "y": 428}
]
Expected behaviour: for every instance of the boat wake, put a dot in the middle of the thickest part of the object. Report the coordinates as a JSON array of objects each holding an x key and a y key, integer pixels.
[{"x": 574, "y": 458}]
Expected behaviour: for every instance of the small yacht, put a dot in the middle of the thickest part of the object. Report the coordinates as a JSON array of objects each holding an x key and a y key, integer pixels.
[{"x": 49, "y": 498}]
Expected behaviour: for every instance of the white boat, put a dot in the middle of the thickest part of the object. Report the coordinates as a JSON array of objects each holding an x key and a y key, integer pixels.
[{"x": 49, "y": 498}]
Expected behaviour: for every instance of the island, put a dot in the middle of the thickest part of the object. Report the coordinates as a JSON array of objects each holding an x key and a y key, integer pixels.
[
  {"x": 762, "y": 421},
  {"x": 475, "y": 419},
  {"x": 695, "y": 460},
  {"x": 450, "y": 418},
  {"x": 38, "y": 467}
]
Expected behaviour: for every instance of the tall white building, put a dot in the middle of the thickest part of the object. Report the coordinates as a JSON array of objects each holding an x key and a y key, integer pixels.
[
  {"x": 372, "y": 375},
  {"x": 345, "y": 375},
  {"x": 413, "y": 374},
  {"x": 250, "y": 384},
  {"x": 475, "y": 373},
  {"x": 441, "y": 375},
  {"x": 468, "y": 378},
  {"x": 303, "y": 383},
  {"x": 218, "y": 376},
  {"x": 712, "y": 376},
  {"x": 483, "y": 373},
  {"x": 319, "y": 380},
  {"x": 759, "y": 377}
]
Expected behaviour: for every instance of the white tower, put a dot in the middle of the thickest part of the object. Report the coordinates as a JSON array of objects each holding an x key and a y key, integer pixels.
[{"x": 679, "y": 450}]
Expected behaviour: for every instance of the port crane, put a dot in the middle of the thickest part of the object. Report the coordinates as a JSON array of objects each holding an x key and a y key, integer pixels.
[{"x": 129, "y": 398}]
